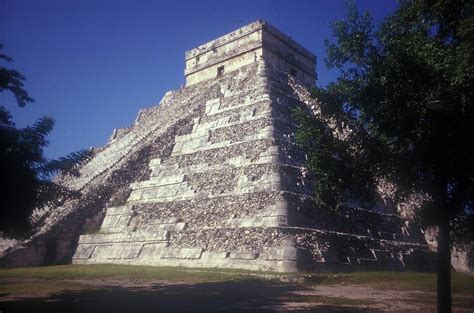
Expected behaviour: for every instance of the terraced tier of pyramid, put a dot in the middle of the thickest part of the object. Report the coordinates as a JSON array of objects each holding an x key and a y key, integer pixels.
[{"x": 212, "y": 177}]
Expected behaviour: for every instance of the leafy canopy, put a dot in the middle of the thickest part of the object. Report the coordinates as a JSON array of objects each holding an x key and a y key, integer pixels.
[{"x": 405, "y": 91}]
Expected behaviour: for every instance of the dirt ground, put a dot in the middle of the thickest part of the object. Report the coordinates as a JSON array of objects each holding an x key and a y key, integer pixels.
[{"x": 124, "y": 295}]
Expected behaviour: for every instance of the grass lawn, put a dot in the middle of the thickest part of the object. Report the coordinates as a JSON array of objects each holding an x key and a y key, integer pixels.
[
  {"x": 124, "y": 271},
  {"x": 94, "y": 288},
  {"x": 416, "y": 281}
]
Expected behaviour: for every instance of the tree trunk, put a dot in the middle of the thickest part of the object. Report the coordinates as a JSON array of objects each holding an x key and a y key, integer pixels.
[{"x": 444, "y": 266}]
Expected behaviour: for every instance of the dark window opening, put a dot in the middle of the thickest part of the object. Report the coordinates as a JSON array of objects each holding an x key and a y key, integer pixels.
[{"x": 220, "y": 71}]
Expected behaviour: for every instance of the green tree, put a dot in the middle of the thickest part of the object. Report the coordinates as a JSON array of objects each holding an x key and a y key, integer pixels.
[
  {"x": 405, "y": 91},
  {"x": 25, "y": 180}
]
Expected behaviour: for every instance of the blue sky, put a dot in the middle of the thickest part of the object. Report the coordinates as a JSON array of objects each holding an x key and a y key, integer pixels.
[{"x": 92, "y": 65}]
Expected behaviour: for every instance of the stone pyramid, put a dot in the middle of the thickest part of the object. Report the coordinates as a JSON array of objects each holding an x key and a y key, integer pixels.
[{"x": 212, "y": 177}]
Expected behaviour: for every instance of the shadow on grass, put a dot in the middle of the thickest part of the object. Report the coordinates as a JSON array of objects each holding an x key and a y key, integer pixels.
[{"x": 229, "y": 296}]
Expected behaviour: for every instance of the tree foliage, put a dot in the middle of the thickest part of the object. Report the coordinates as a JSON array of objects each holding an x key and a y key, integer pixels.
[
  {"x": 405, "y": 90},
  {"x": 25, "y": 182},
  {"x": 12, "y": 80}
]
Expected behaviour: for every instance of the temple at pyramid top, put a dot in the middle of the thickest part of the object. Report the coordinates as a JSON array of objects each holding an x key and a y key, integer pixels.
[{"x": 246, "y": 45}]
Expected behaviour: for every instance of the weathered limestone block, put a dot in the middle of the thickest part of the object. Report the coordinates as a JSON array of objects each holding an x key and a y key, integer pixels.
[
  {"x": 243, "y": 256},
  {"x": 272, "y": 254},
  {"x": 116, "y": 251},
  {"x": 84, "y": 251},
  {"x": 122, "y": 222},
  {"x": 182, "y": 253},
  {"x": 111, "y": 221},
  {"x": 156, "y": 234},
  {"x": 210, "y": 256},
  {"x": 289, "y": 251},
  {"x": 212, "y": 106},
  {"x": 119, "y": 210}
]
